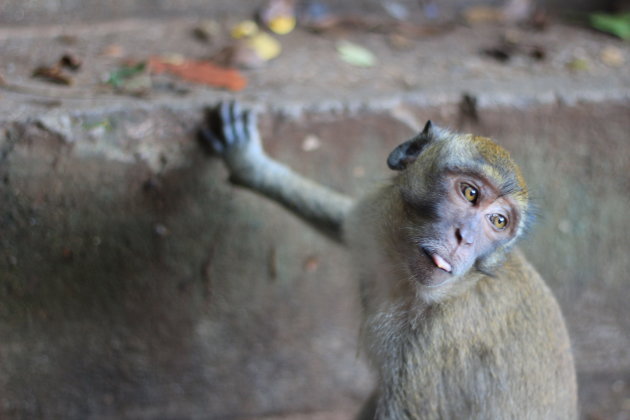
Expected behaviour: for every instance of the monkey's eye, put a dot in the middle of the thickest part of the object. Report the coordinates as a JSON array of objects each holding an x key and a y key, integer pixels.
[
  {"x": 470, "y": 193},
  {"x": 499, "y": 221}
]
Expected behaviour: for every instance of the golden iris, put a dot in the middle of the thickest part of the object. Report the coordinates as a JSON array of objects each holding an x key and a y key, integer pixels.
[
  {"x": 499, "y": 221},
  {"x": 470, "y": 192}
]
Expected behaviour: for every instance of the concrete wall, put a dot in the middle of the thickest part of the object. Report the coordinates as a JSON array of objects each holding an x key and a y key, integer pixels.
[{"x": 135, "y": 282}]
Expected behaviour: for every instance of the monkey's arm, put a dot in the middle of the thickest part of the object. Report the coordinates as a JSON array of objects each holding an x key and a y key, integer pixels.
[{"x": 236, "y": 139}]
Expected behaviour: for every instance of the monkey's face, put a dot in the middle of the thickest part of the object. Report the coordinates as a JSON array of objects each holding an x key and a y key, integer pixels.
[
  {"x": 453, "y": 229},
  {"x": 464, "y": 203}
]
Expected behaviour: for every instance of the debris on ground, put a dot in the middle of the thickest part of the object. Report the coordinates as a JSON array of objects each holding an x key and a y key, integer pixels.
[
  {"x": 278, "y": 16},
  {"x": 266, "y": 46},
  {"x": 56, "y": 73},
  {"x": 206, "y": 31},
  {"x": 578, "y": 64},
  {"x": 355, "y": 55},
  {"x": 614, "y": 24},
  {"x": 252, "y": 47},
  {"x": 244, "y": 29},
  {"x": 130, "y": 79},
  {"x": 512, "y": 44},
  {"x": 70, "y": 61},
  {"x": 612, "y": 56},
  {"x": 198, "y": 71}
]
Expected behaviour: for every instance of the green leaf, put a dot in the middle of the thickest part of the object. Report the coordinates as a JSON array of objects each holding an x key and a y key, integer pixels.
[
  {"x": 618, "y": 25},
  {"x": 355, "y": 54},
  {"x": 118, "y": 77}
]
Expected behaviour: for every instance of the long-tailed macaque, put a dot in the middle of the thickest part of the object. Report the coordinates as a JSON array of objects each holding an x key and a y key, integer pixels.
[{"x": 456, "y": 322}]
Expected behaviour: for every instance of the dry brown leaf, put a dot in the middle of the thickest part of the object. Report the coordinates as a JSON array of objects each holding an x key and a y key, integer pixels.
[
  {"x": 53, "y": 74},
  {"x": 199, "y": 71}
]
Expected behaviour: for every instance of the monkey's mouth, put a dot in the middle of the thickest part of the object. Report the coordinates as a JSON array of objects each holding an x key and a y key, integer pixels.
[{"x": 438, "y": 260}]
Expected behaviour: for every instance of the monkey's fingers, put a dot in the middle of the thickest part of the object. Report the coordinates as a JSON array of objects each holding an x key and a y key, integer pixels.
[
  {"x": 228, "y": 112},
  {"x": 215, "y": 144},
  {"x": 251, "y": 126}
]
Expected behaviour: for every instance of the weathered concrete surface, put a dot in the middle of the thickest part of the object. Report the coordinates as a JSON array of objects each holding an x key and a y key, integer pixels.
[
  {"x": 68, "y": 11},
  {"x": 135, "y": 282}
]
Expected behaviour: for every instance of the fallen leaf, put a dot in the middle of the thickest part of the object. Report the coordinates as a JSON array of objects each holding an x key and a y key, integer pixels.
[
  {"x": 132, "y": 79},
  {"x": 244, "y": 29},
  {"x": 53, "y": 74},
  {"x": 118, "y": 77},
  {"x": 266, "y": 46},
  {"x": 355, "y": 54},
  {"x": 578, "y": 64},
  {"x": 618, "y": 25},
  {"x": 202, "y": 72},
  {"x": 612, "y": 56},
  {"x": 278, "y": 16}
]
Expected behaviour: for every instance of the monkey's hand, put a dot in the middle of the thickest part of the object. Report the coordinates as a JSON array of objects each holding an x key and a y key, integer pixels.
[{"x": 233, "y": 135}]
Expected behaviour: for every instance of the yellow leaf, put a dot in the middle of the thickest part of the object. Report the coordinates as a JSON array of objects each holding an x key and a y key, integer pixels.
[
  {"x": 282, "y": 24},
  {"x": 266, "y": 46},
  {"x": 244, "y": 29}
]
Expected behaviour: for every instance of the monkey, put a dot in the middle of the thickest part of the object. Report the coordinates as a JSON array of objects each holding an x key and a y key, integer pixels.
[{"x": 456, "y": 322}]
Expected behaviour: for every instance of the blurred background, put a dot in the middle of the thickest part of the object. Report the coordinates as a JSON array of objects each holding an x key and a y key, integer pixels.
[{"x": 137, "y": 283}]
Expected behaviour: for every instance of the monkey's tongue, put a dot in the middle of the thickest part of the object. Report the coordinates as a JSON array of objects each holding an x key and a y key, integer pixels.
[{"x": 441, "y": 263}]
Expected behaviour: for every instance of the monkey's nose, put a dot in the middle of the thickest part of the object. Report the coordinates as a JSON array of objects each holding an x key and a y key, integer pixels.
[{"x": 464, "y": 236}]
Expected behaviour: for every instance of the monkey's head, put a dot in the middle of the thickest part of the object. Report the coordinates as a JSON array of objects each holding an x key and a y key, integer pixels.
[{"x": 464, "y": 203}]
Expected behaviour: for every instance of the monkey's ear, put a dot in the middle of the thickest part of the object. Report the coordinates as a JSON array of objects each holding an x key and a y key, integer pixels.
[{"x": 409, "y": 151}]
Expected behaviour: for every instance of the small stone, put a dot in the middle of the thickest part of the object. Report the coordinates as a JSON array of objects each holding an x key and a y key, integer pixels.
[{"x": 311, "y": 143}]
